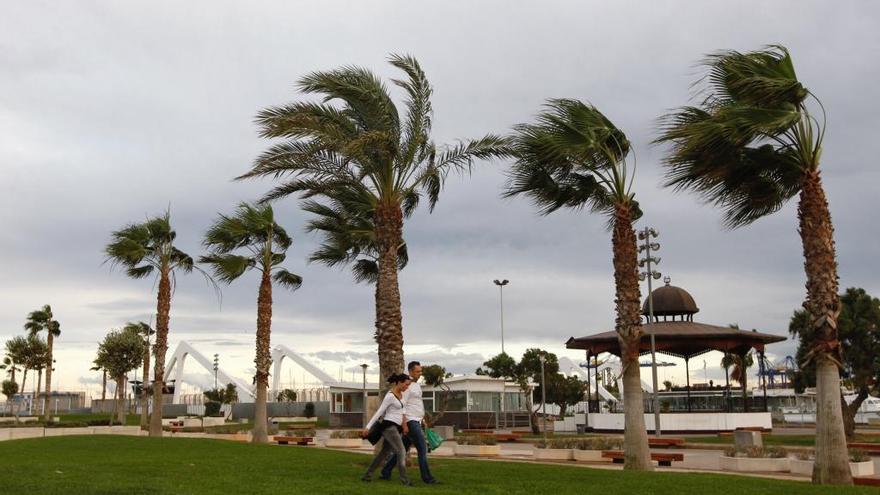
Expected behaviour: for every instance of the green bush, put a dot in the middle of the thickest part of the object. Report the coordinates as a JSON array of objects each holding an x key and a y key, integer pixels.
[
  {"x": 476, "y": 440},
  {"x": 67, "y": 424},
  {"x": 346, "y": 434},
  {"x": 212, "y": 408},
  {"x": 856, "y": 455},
  {"x": 556, "y": 443},
  {"x": 598, "y": 443},
  {"x": 804, "y": 455},
  {"x": 309, "y": 410}
]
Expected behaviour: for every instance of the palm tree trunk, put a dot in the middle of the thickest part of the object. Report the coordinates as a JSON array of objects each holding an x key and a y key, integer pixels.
[
  {"x": 629, "y": 334},
  {"x": 104, "y": 386},
  {"x": 163, "y": 311},
  {"x": 144, "y": 396},
  {"x": 50, "y": 342},
  {"x": 23, "y": 380},
  {"x": 389, "y": 320},
  {"x": 263, "y": 359},
  {"x": 850, "y": 410},
  {"x": 823, "y": 306},
  {"x": 39, "y": 385}
]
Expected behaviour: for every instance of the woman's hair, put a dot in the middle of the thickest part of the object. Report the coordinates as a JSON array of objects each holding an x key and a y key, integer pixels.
[{"x": 400, "y": 378}]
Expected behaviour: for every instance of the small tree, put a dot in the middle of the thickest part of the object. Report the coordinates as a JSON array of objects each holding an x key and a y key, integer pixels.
[
  {"x": 565, "y": 391},
  {"x": 667, "y": 385},
  {"x": 120, "y": 352},
  {"x": 435, "y": 376},
  {"x": 10, "y": 388},
  {"x": 218, "y": 396},
  {"x": 286, "y": 395},
  {"x": 309, "y": 410}
]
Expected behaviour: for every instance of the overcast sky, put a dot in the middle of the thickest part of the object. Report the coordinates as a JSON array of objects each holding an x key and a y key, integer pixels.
[{"x": 113, "y": 111}]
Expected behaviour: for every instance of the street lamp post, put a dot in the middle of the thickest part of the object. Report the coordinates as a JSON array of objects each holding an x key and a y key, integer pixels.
[
  {"x": 543, "y": 398},
  {"x": 501, "y": 284},
  {"x": 364, "y": 368},
  {"x": 216, "y": 367},
  {"x": 651, "y": 274}
]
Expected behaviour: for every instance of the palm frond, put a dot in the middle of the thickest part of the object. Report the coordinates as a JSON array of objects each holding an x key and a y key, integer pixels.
[
  {"x": 286, "y": 279},
  {"x": 227, "y": 267}
]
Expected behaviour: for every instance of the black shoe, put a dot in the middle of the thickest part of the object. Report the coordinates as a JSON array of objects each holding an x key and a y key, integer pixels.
[
  {"x": 366, "y": 478},
  {"x": 406, "y": 482},
  {"x": 432, "y": 481},
  {"x": 385, "y": 478}
]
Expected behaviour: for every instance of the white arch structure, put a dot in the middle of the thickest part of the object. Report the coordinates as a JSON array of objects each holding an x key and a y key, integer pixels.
[
  {"x": 183, "y": 350},
  {"x": 280, "y": 352}
]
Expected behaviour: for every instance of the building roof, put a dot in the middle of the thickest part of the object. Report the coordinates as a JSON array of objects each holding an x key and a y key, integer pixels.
[
  {"x": 684, "y": 339},
  {"x": 670, "y": 300}
]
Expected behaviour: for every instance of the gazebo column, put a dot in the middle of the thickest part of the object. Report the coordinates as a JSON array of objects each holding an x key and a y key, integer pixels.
[
  {"x": 687, "y": 374},
  {"x": 727, "y": 389},
  {"x": 763, "y": 377},
  {"x": 596, "y": 373},
  {"x": 587, "y": 410}
]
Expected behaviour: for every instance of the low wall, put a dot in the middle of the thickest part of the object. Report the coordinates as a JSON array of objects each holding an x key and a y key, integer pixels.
[
  {"x": 684, "y": 422},
  {"x": 245, "y": 410},
  {"x": 39, "y": 432}
]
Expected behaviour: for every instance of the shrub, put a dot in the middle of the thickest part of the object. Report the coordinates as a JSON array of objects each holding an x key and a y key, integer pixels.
[
  {"x": 66, "y": 424},
  {"x": 346, "y": 434},
  {"x": 300, "y": 433},
  {"x": 476, "y": 440},
  {"x": 775, "y": 452},
  {"x": 98, "y": 422},
  {"x": 309, "y": 410},
  {"x": 757, "y": 452},
  {"x": 730, "y": 451},
  {"x": 856, "y": 455},
  {"x": 212, "y": 408},
  {"x": 556, "y": 443},
  {"x": 804, "y": 455},
  {"x": 598, "y": 443}
]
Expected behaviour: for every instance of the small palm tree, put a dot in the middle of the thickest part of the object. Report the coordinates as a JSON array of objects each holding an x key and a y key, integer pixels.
[
  {"x": 42, "y": 320},
  {"x": 751, "y": 145},
  {"x": 99, "y": 367},
  {"x": 145, "y": 249},
  {"x": 143, "y": 329},
  {"x": 364, "y": 154},
  {"x": 250, "y": 238},
  {"x": 120, "y": 352},
  {"x": 36, "y": 356},
  {"x": 574, "y": 157}
]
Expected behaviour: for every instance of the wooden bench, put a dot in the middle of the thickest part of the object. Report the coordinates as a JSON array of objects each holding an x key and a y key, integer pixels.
[
  {"x": 663, "y": 459},
  {"x": 868, "y": 447},
  {"x": 665, "y": 442},
  {"x": 507, "y": 437},
  {"x": 284, "y": 440},
  {"x": 867, "y": 481}
]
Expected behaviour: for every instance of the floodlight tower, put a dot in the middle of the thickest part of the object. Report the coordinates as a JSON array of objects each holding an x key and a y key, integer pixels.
[{"x": 650, "y": 274}]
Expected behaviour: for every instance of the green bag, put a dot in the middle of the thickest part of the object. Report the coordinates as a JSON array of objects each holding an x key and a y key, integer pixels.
[{"x": 433, "y": 438}]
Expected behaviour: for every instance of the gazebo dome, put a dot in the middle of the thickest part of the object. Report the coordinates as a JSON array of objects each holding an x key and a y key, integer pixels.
[{"x": 670, "y": 300}]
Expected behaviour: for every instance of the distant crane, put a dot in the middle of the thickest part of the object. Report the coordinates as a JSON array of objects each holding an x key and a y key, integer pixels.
[{"x": 781, "y": 369}]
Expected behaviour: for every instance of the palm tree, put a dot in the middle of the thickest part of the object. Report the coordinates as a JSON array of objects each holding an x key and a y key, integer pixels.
[
  {"x": 574, "y": 157},
  {"x": 120, "y": 352},
  {"x": 143, "y": 329},
  {"x": 739, "y": 372},
  {"x": 42, "y": 320},
  {"x": 99, "y": 367},
  {"x": 144, "y": 249},
  {"x": 36, "y": 355},
  {"x": 253, "y": 232},
  {"x": 354, "y": 148},
  {"x": 750, "y": 146}
]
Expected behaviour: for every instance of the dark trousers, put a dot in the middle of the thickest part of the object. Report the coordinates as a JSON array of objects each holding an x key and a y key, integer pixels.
[
  {"x": 391, "y": 446},
  {"x": 416, "y": 437}
]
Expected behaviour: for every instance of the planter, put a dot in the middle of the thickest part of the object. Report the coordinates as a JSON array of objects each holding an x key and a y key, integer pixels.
[
  {"x": 803, "y": 468},
  {"x": 865, "y": 468},
  {"x": 755, "y": 464},
  {"x": 554, "y": 454},
  {"x": 589, "y": 456},
  {"x": 343, "y": 443},
  {"x": 478, "y": 450}
]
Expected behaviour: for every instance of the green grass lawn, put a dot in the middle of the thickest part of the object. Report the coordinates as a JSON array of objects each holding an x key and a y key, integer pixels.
[
  {"x": 101, "y": 464},
  {"x": 788, "y": 440}
]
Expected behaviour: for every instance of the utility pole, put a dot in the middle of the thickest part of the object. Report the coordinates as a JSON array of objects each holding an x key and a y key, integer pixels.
[
  {"x": 651, "y": 274},
  {"x": 543, "y": 397},
  {"x": 501, "y": 284},
  {"x": 364, "y": 368},
  {"x": 216, "y": 367}
]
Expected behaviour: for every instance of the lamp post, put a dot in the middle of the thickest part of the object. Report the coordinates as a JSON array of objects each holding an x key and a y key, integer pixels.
[
  {"x": 543, "y": 398},
  {"x": 651, "y": 274},
  {"x": 216, "y": 367},
  {"x": 501, "y": 284},
  {"x": 364, "y": 368}
]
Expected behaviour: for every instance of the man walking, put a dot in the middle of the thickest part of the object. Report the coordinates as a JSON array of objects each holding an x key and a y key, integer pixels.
[{"x": 414, "y": 412}]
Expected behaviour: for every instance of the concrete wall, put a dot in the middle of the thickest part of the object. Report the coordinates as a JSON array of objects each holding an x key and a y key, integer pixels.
[{"x": 684, "y": 422}]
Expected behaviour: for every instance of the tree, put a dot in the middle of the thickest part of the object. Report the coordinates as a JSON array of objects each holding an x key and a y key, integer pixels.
[
  {"x": 9, "y": 389},
  {"x": 218, "y": 396},
  {"x": 144, "y": 249},
  {"x": 143, "y": 329},
  {"x": 524, "y": 373},
  {"x": 435, "y": 377},
  {"x": 42, "y": 320},
  {"x": 667, "y": 385},
  {"x": 98, "y": 367},
  {"x": 120, "y": 352},
  {"x": 286, "y": 395},
  {"x": 15, "y": 350},
  {"x": 354, "y": 149},
  {"x": 248, "y": 239},
  {"x": 749, "y": 147},
  {"x": 565, "y": 391},
  {"x": 860, "y": 342},
  {"x": 574, "y": 157},
  {"x": 36, "y": 355},
  {"x": 740, "y": 366}
]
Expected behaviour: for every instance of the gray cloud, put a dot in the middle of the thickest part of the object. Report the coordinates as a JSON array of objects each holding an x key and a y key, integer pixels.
[{"x": 115, "y": 112}]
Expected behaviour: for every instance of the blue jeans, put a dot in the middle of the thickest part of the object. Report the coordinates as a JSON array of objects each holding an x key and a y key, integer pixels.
[{"x": 416, "y": 437}]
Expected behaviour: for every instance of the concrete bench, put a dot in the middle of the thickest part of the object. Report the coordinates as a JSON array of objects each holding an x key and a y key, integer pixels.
[
  {"x": 867, "y": 481},
  {"x": 663, "y": 459},
  {"x": 665, "y": 442},
  {"x": 284, "y": 440}
]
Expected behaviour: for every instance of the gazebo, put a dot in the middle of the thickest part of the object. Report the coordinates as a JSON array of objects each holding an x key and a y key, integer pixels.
[{"x": 677, "y": 334}]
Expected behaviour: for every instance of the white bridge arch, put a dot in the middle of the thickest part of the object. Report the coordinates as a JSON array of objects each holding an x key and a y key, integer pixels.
[
  {"x": 178, "y": 359},
  {"x": 280, "y": 352}
]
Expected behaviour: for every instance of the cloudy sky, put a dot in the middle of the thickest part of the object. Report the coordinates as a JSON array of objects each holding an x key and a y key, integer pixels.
[{"x": 111, "y": 112}]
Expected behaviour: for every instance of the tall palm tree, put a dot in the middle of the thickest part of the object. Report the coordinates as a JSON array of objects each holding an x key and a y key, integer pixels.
[
  {"x": 143, "y": 329},
  {"x": 100, "y": 367},
  {"x": 42, "y": 320},
  {"x": 574, "y": 157},
  {"x": 250, "y": 238},
  {"x": 145, "y": 249},
  {"x": 751, "y": 145},
  {"x": 355, "y": 148}
]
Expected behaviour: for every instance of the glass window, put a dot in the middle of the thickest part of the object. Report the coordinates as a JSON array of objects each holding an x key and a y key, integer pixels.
[
  {"x": 485, "y": 401},
  {"x": 453, "y": 400},
  {"x": 514, "y": 401}
]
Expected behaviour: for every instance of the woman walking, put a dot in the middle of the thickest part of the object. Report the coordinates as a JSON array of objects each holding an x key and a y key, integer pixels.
[{"x": 393, "y": 425}]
